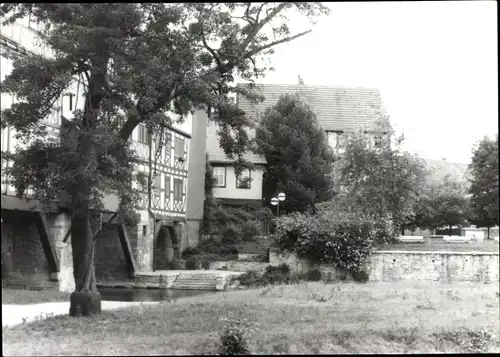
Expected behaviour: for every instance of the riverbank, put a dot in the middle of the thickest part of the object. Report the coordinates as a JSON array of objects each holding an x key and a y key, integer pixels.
[{"x": 303, "y": 318}]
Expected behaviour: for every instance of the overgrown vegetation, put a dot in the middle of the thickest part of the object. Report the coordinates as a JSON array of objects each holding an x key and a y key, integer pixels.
[
  {"x": 236, "y": 333},
  {"x": 344, "y": 242},
  {"x": 272, "y": 275}
]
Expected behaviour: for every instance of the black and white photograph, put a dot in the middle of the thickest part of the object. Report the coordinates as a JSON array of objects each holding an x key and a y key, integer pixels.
[{"x": 258, "y": 178}]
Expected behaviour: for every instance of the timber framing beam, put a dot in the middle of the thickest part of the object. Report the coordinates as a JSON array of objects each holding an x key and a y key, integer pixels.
[
  {"x": 48, "y": 248},
  {"x": 127, "y": 249}
]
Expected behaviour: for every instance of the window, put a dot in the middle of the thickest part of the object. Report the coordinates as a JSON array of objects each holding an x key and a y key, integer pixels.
[
  {"x": 179, "y": 148},
  {"x": 243, "y": 181},
  {"x": 143, "y": 186},
  {"x": 332, "y": 138},
  {"x": 143, "y": 134},
  {"x": 341, "y": 140},
  {"x": 178, "y": 188},
  {"x": 377, "y": 141},
  {"x": 167, "y": 186},
  {"x": 157, "y": 184},
  {"x": 219, "y": 175},
  {"x": 168, "y": 145}
]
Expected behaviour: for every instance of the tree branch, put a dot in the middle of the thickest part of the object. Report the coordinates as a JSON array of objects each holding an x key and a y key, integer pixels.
[
  {"x": 269, "y": 45},
  {"x": 260, "y": 25}
]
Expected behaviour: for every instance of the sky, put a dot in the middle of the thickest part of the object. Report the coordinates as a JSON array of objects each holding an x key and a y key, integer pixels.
[{"x": 435, "y": 63}]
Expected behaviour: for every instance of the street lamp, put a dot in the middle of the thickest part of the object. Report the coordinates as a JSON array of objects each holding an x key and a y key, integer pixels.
[{"x": 275, "y": 201}]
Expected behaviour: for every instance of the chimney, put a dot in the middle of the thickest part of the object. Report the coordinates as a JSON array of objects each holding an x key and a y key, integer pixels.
[{"x": 300, "y": 80}]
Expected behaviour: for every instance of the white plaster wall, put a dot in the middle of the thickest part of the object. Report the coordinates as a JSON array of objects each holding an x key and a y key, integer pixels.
[{"x": 230, "y": 191}]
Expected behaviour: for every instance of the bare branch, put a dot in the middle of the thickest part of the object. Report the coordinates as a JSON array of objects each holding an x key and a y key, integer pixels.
[
  {"x": 269, "y": 45},
  {"x": 260, "y": 25}
]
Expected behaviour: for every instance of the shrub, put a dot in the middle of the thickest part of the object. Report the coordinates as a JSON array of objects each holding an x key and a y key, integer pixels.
[
  {"x": 193, "y": 263},
  {"x": 345, "y": 241},
  {"x": 190, "y": 251},
  {"x": 205, "y": 263},
  {"x": 384, "y": 231},
  {"x": 278, "y": 274},
  {"x": 230, "y": 236},
  {"x": 251, "y": 278},
  {"x": 314, "y": 275},
  {"x": 235, "y": 336},
  {"x": 249, "y": 231},
  {"x": 360, "y": 275}
]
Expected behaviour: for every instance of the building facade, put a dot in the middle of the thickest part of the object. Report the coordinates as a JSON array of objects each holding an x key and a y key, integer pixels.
[
  {"x": 35, "y": 242},
  {"x": 339, "y": 110}
]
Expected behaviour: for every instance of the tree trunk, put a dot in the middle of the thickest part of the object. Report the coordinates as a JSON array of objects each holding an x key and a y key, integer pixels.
[
  {"x": 402, "y": 229},
  {"x": 449, "y": 231},
  {"x": 488, "y": 233},
  {"x": 86, "y": 299}
]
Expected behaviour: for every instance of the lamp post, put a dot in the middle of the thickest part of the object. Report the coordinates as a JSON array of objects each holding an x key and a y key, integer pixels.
[{"x": 275, "y": 201}]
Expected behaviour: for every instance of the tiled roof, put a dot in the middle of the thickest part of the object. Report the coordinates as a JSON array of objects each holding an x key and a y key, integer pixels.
[
  {"x": 337, "y": 108},
  {"x": 216, "y": 154}
]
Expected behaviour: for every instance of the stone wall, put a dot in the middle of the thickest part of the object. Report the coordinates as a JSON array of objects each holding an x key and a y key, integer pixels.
[
  {"x": 24, "y": 263},
  {"x": 110, "y": 263},
  {"x": 239, "y": 266},
  {"x": 404, "y": 265}
]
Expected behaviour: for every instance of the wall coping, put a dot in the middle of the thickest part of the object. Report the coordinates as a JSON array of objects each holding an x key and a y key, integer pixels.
[{"x": 441, "y": 252}]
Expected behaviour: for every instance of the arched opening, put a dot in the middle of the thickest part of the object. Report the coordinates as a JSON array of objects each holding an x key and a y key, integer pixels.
[{"x": 167, "y": 251}]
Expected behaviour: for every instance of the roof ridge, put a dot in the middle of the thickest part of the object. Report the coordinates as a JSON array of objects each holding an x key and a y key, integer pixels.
[{"x": 310, "y": 86}]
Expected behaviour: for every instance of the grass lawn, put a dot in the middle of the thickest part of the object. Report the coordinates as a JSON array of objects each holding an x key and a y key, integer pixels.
[
  {"x": 26, "y": 297},
  {"x": 305, "y": 318}
]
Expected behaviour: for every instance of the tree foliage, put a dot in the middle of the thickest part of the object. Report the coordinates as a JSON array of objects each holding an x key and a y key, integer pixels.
[
  {"x": 381, "y": 181},
  {"x": 484, "y": 201},
  {"x": 138, "y": 63},
  {"x": 441, "y": 204},
  {"x": 297, "y": 154}
]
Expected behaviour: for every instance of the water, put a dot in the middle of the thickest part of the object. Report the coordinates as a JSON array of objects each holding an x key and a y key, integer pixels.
[{"x": 130, "y": 294}]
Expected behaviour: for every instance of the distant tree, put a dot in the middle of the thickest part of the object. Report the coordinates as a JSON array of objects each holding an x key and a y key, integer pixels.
[
  {"x": 297, "y": 154},
  {"x": 136, "y": 62},
  {"x": 381, "y": 180},
  {"x": 441, "y": 204},
  {"x": 484, "y": 201}
]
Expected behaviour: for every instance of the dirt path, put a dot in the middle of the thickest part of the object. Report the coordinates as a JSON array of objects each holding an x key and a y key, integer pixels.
[{"x": 15, "y": 314}]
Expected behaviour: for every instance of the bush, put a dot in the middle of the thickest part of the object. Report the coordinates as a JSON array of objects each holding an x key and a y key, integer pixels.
[
  {"x": 249, "y": 231},
  {"x": 274, "y": 275},
  {"x": 360, "y": 275},
  {"x": 193, "y": 263},
  {"x": 384, "y": 231},
  {"x": 235, "y": 336},
  {"x": 205, "y": 263},
  {"x": 190, "y": 251},
  {"x": 251, "y": 278},
  {"x": 230, "y": 236},
  {"x": 314, "y": 275},
  {"x": 344, "y": 241}
]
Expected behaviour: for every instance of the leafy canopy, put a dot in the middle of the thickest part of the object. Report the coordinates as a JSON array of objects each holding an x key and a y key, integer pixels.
[
  {"x": 380, "y": 180},
  {"x": 484, "y": 201},
  {"x": 137, "y": 63}
]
